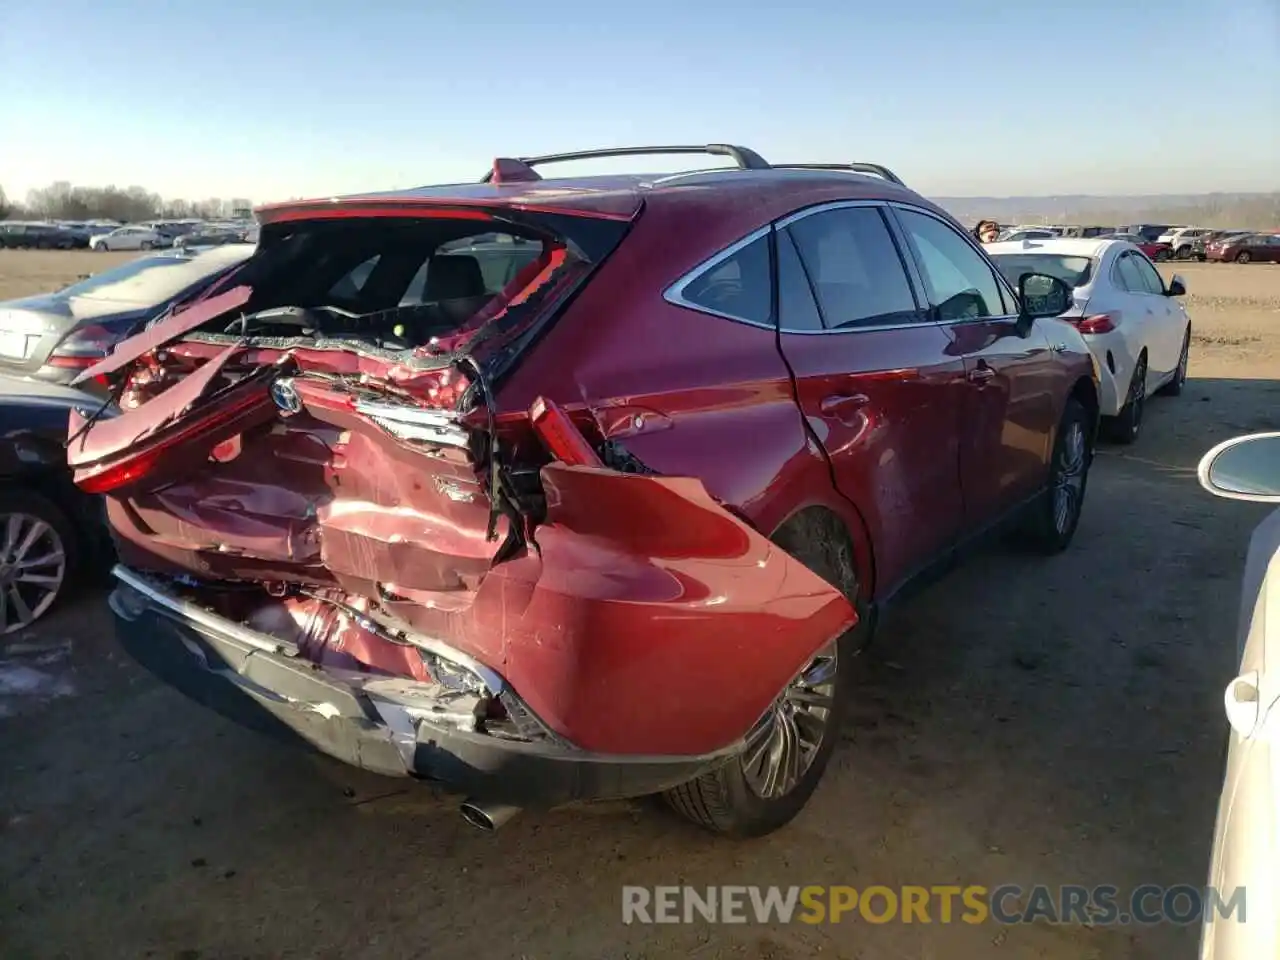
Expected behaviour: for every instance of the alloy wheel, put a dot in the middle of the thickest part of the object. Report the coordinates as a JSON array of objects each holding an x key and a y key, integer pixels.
[
  {"x": 1068, "y": 480},
  {"x": 781, "y": 747},
  {"x": 33, "y": 566},
  {"x": 1138, "y": 396}
]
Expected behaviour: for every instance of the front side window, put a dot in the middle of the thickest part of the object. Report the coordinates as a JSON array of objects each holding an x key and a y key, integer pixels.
[
  {"x": 961, "y": 284},
  {"x": 1126, "y": 275},
  {"x": 1151, "y": 282},
  {"x": 739, "y": 286},
  {"x": 853, "y": 268}
]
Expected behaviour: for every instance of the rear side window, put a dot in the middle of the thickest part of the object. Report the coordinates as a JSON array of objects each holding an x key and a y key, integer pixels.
[
  {"x": 962, "y": 286},
  {"x": 854, "y": 269},
  {"x": 737, "y": 286}
]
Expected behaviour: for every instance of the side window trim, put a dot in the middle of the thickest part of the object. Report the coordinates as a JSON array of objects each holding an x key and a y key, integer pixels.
[
  {"x": 674, "y": 294},
  {"x": 1007, "y": 292}
]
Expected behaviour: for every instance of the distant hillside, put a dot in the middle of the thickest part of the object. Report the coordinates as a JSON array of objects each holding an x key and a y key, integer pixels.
[{"x": 1246, "y": 211}]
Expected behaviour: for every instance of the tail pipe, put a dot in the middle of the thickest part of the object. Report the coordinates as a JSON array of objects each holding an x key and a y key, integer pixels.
[{"x": 487, "y": 816}]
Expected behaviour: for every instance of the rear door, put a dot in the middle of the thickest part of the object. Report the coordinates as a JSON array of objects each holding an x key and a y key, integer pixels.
[
  {"x": 1169, "y": 321},
  {"x": 1009, "y": 410},
  {"x": 877, "y": 382}
]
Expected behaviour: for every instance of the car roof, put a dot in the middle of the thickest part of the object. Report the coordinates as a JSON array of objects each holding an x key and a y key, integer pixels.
[
  {"x": 620, "y": 197},
  {"x": 1065, "y": 246}
]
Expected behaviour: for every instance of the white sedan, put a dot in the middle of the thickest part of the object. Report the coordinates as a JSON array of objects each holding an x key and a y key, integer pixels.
[
  {"x": 1134, "y": 323},
  {"x": 129, "y": 238},
  {"x": 1246, "y": 837}
]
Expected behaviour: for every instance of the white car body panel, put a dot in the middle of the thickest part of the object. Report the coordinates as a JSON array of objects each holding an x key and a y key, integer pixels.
[
  {"x": 1143, "y": 320},
  {"x": 1246, "y": 838},
  {"x": 1182, "y": 237}
]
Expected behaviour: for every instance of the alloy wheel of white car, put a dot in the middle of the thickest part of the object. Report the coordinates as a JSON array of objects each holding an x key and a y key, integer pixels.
[{"x": 33, "y": 568}]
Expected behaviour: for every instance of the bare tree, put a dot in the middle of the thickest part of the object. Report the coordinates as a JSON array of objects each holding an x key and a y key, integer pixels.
[{"x": 5, "y": 208}]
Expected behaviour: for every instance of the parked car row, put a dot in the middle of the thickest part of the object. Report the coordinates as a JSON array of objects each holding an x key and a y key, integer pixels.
[
  {"x": 98, "y": 235},
  {"x": 1241, "y": 247},
  {"x": 1162, "y": 241}
]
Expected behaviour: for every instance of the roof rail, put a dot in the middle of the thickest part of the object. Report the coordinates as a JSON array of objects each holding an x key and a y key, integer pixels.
[
  {"x": 874, "y": 168},
  {"x": 745, "y": 158}
]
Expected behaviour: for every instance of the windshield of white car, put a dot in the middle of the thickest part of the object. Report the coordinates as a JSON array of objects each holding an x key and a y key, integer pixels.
[{"x": 1074, "y": 271}]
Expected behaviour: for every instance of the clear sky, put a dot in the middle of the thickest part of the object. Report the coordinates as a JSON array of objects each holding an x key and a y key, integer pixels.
[{"x": 279, "y": 98}]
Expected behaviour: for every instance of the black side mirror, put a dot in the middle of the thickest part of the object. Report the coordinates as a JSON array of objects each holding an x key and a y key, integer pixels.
[
  {"x": 1177, "y": 287},
  {"x": 1041, "y": 296}
]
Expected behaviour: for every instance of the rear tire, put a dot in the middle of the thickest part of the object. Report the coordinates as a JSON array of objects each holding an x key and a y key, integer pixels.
[
  {"x": 1126, "y": 427},
  {"x": 734, "y": 800},
  {"x": 1243, "y": 257},
  {"x": 145, "y": 245},
  {"x": 1174, "y": 387},
  {"x": 1162, "y": 256},
  {"x": 1051, "y": 522},
  {"x": 42, "y": 533}
]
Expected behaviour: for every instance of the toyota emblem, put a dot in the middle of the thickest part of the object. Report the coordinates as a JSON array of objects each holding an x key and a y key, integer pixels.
[{"x": 285, "y": 395}]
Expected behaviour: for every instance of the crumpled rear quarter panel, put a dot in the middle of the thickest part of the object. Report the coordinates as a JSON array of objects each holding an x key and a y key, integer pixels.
[{"x": 654, "y": 622}]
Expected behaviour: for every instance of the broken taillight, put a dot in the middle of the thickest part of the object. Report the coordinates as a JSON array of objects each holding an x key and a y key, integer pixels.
[
  {"x": 563, "y": 440},
  {"x": 217, "y": 419}
]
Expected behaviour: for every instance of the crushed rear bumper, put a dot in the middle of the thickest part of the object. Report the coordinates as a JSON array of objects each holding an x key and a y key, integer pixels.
[{"x": 385, "y": 725}]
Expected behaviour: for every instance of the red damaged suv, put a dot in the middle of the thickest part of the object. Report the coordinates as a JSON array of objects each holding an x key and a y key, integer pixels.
[{"x": 553, "y": 490}]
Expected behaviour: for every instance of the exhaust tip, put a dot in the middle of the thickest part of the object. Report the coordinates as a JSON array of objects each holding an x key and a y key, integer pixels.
[{"x": 486, "y": 816}]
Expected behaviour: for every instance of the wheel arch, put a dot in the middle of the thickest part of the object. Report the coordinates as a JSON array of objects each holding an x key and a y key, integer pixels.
[
  {"x": 845, "y": 543},
  {"x": 1085, "y": 392}
]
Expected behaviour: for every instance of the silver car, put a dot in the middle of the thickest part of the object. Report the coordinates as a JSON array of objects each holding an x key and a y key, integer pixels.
[
  {"x": 54, "y": 336},
  {"x": 1246, "y": 840}
]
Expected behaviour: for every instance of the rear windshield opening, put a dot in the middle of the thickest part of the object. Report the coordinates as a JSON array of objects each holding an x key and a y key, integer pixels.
[
  {"x": 1073, "y": 271},
  {"x": 388, "y": 282}
]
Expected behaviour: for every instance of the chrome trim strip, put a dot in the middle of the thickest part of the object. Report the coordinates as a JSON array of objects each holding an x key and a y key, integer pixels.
[
  {"x": 406, "y": 414},
  {"x": 415, "y": 423},
  {"x": 823, "y": 208},
  {"x": 187, "y": 610}
]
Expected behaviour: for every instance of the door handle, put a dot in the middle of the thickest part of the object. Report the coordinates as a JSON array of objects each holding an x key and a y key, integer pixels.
[
  {"x": 981, "y": 374},
  {"x": 842, "y": 405}
]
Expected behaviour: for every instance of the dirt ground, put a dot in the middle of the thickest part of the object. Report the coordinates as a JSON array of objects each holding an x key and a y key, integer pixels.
[{"x": 1022, "y": 721}]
